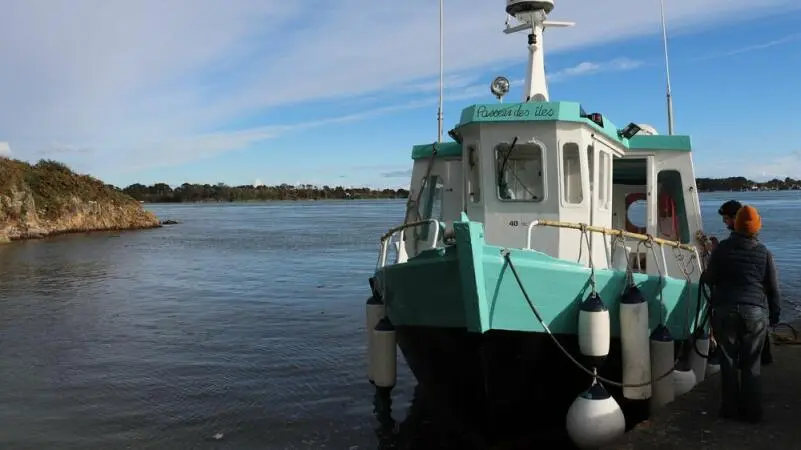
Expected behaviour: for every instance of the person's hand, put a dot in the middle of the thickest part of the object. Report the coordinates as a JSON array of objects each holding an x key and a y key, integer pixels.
[{"x": 773, "y": 319}]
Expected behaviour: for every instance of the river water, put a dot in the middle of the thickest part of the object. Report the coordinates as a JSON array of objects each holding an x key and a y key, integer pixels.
[{"x": 240, "y": 328}]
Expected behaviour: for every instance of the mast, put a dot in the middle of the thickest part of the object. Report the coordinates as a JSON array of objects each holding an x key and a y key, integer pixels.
[
  {"x": 533, "y": 17},
  {"x": 441, "y": 69},
  {"x": 667, "y": 68}
]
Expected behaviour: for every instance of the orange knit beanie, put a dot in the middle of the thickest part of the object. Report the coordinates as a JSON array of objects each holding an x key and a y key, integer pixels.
[{"x": 748, "y": 221}]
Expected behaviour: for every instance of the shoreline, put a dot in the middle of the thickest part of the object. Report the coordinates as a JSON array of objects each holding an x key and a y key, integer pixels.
[
  {"x": 35, "y": 235},
  {"x": 277, "y": 200},
  {"x": 202, "y": 202}
]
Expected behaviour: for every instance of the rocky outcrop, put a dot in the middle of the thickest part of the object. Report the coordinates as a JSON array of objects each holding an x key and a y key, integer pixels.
[{"x": 48, "y": 198}]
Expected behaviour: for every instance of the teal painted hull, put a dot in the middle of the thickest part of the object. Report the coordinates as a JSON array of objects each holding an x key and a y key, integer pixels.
[
  {"x": 470, "y": 285},
  {"x": 470, "y": 338}
]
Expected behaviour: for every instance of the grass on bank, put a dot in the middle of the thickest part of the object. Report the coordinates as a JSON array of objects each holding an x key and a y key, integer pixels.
[{"x": 53, "y": 185}]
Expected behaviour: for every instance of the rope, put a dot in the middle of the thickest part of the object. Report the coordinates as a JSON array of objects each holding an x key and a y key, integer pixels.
[
  {"x": 649, "y": 244},
  {"x": 784, "y": 340},
  {"x": 592, "y": 373},
  {"x": 586, "y": 237},
  {"x": 702, "y": 293}
]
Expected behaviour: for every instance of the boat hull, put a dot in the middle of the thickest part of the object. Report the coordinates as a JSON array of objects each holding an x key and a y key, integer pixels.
[
  {"x": 506, "y": 384},
  {"x": 471, "y": 335}
]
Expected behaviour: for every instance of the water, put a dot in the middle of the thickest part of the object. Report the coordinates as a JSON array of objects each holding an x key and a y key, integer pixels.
[{"x": 244, "y": 320}]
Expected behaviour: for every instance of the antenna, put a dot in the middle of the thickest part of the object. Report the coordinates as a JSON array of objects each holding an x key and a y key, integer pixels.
[
  {"x": 441, "y": 68},
  {"x": 533, "y": 15},
  {"x": 667, "y": 68}
]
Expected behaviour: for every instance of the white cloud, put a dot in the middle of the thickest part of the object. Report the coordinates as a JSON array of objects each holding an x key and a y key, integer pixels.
[
  {"x": 766, "y": 168},
  {"x": 589, "y": 68},
  {"x": 5, "y": 149},
  {"x": 750, "y": 48},
  {"x": 781, "y": 167},
  {"x": 150, "y": 80}
]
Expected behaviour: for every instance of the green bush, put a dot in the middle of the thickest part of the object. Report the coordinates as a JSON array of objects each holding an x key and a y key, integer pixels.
[{"x": 53, "y": 185}]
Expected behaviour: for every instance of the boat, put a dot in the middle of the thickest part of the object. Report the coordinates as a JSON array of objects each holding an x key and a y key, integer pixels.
[{"x": 531, "y": 210}]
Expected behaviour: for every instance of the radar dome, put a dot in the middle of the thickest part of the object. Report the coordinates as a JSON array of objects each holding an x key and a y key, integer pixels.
[
  {"x": 647, "y": 130},
  {"x": 515, "y": 7}
]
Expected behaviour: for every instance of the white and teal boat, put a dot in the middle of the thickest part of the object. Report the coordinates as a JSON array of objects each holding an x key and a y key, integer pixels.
[{"x": 510, "y": 227}]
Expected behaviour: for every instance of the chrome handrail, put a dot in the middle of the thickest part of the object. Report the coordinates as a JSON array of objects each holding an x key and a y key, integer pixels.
[{"x": 385, "y": 238}]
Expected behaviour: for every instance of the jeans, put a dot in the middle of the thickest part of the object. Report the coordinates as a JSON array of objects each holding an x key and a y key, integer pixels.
[{"x": 740, "y": 331}]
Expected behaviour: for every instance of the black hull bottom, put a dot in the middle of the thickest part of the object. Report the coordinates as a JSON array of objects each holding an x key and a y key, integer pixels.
[{"x": 507, "y": 384}]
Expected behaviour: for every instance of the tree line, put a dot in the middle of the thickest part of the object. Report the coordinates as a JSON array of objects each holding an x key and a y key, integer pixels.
[
  {"x": 220, "y": 192},
  {"x": 744, "y": 184}
]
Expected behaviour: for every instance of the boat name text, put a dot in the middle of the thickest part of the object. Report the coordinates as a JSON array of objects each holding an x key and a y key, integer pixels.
[{"x": 485, "y": 112}]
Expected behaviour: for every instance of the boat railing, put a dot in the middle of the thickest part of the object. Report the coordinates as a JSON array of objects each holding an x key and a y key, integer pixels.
[
  {"x": 400, "y": 230},
  {"x": 623, "y": 235}
]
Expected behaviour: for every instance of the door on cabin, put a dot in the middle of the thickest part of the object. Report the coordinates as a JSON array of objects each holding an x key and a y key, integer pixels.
[
  {"x": 474, "y": 199},
  {"x": 430, "y": 208}
]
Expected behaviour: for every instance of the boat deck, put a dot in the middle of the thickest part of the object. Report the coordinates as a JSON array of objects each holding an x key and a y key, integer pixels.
[{"x": 691, "y": 421}]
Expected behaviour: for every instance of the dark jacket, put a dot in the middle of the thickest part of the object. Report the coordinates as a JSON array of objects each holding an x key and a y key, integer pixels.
[{"x": 741, "y": 271}]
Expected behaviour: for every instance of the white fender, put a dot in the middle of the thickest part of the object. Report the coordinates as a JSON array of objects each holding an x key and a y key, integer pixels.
[
  {"x": 593, "y": 328},
  {"x": 595, "y": 418},
  {"x": 683, "y": 380},
  {"x": 374, "y": 311},
  {"x": 662, "y": 359},
  {"x": 635, "y": 344},
  {"x": 699, "y": 343},
  {"x": 384, "y": 354}
]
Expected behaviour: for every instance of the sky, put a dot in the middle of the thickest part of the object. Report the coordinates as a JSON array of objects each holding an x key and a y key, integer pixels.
[{"x": 337, "y": 92}]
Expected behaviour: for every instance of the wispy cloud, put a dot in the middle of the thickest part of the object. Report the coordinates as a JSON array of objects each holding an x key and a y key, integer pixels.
[
  {"x": 398, "y": 174},
  {"x": 5, "y": 149},
  {"x": 590, "y": 68},
  {"x": 788, "y": 165},
  {"x": 765, "y": 168},
  {"x": 60, "y": 149},
  {"x": 154, "y": 81},
  {"x": 749, "y": 48}
]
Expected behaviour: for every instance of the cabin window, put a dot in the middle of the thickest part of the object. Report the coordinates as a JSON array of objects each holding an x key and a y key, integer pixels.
[
  {"x": 473, "y": 175},
  {"x": 519, "y": 172},
  {"x": 572, "y": 192},
  {"x": 590, "y": 168},
  {"x": 604, "y": 180},
  {"x": 430, "y": 204},
  {"x": 671, "y": 209}
]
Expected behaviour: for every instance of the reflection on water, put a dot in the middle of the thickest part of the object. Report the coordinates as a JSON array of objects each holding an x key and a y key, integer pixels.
[
  {"x": 244, "y": 321},
  {"x": 425, "y": 427}
]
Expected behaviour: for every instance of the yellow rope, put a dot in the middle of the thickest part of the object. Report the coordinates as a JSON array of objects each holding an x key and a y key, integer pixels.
[{"x": 614, "y": 232}]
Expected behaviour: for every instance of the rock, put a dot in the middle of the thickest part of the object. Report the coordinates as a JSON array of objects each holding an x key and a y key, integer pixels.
[
  {"x": 169, "y": 222},
  {"x": 48, "y": 198}
]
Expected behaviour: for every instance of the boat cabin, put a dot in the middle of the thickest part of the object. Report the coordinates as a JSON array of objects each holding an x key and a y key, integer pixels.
[{"x": 513, "y": 164}]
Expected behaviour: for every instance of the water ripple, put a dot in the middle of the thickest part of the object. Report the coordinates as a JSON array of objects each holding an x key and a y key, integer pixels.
[{"x": 245, "y": 320}]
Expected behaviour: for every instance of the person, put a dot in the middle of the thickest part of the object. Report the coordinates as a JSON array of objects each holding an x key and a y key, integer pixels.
[
  {"x": 745, "y": 300},
  {"x": 728, "y": 212}
]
